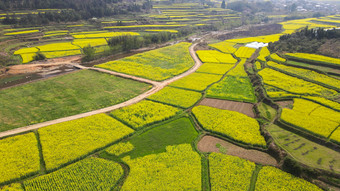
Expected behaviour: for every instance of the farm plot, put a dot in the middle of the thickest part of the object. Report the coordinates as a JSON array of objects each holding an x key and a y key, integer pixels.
[
  {"x": 307, "y": 74},
  {"x": 233, "y": 88},
  {"x": 177, "y": 97},
  {"x": 245, "y": 108},
  {"x": 19, "y": 157},
  {"x": 239, "y": 71},
  {"x": 21, "y": 32},
  {"x": 326, "y": 102},
  {"x": 278, "y": 94},
  {"x": 314, "y": 58},
  {"x": 92, "y": 42},
  {"x": 214, "y": 56},
  {"x": 103, "y": 35},
  {"x": 63, "y": 96},
  {"x": 229, "y": 172},
  {"x": 317, "y": 67},
  {"x": 209, "y": 144},
  {"x": 144, "y": 113},
  {"x": 213, "y": 68},
  {"x": 294, "y": 85},
  {"x": 68, "y": 141},
  {"x": 245, "y": 52},
  {"x": 271, "y": 178},
  {"x": 312, "y": 117},
  {"x": 179, "y": 168},
  {"x": 234, "y": 125},
  {"x": 196, "y": 81},
  {"x": 224, "y": 46},
  {"x": 277, "y": 58},
  {"x": 264, "y": 52},
  {"x": 306, "y": 151},
  {"x": 155, "y": 140},
  {"x": 88, "y": 174},
  {"x": 145, "y": 26},
  {"x": 156, "y": 65}
]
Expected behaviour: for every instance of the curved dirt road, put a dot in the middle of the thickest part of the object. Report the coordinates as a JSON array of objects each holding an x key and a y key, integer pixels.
[{"x": 156, "y": 87}]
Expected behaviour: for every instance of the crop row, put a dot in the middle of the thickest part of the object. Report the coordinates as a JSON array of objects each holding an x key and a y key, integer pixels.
[
  {"x": 307, "y": 74},
  {"x": 293, "y": 84},
  {"x": 313, "y": 58}
]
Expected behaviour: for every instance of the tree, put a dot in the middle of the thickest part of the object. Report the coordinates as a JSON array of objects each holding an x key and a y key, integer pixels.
[
  {"x": 39, "y": 56},
  {"x": 89, "y": 52},
  {"x": 223, "y": 4}
]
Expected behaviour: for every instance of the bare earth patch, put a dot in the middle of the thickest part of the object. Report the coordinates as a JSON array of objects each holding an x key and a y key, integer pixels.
[
  {"x": 285, "y": 104},
  {"x": 245, "y": 108},
  {"x": 208, "y": 144}
]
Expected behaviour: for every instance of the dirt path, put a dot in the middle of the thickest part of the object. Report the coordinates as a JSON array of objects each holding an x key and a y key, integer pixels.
[
  {"x": 208, "y": 144},
  {"x": 39, "y": 65},
  {"x": 156, "y": 87}
]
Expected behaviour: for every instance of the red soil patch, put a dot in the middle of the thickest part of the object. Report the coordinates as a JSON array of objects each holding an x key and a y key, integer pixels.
[
  {"x": 245, "y": 108},
  {"x": 208, "y": 144}
]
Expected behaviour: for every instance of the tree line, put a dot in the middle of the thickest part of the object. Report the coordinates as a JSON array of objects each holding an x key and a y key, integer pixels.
[
  {"x": 72, "y": 10},
  {"x": 305, "y": 40}
]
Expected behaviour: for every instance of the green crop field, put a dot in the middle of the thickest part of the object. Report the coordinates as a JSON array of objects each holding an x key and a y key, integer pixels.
[
  {"x": 306, "y": 151},
  {"x": 63, "y": 96},
  {"x": 155, "y": 140}
]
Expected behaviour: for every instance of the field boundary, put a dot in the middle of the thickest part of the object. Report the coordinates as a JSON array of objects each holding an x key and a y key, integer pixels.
[{"x": 157, "y": 87}]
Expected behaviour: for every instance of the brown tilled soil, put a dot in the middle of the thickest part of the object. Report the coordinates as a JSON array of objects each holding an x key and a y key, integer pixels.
[
  {"x": 285, "y": 104},
  {"x": 208, "y": 144},
  {"x": 245, "y": 108}
]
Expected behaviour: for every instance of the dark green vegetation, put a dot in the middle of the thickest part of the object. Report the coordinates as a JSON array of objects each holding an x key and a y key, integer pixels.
[
  {"x": 266, "y": 111},
  {"x": 63, "y": 96},
  {"x": 73, "y": 10},
  {"x": 154, "y": 141},
  {"x": 306, "y": 151},
  {"x": 316, "y": 41},
  {"x": 315, "y": 67}
]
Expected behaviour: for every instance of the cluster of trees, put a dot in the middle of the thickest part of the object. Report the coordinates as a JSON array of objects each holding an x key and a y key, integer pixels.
[
  {"x": 128, "y": 42},
  {"x": 306, "y": 40},
  {"x": 253, "y": 7},
  {"x": 73, "y": 10}
]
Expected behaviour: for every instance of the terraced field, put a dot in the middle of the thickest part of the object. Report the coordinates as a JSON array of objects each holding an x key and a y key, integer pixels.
[{"x": 173, "y": 137}]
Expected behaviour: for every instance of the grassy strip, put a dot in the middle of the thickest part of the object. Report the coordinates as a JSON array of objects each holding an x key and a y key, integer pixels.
[
  {"x": 254, "y": 177},
  {"x": 41, "y": 155}
]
